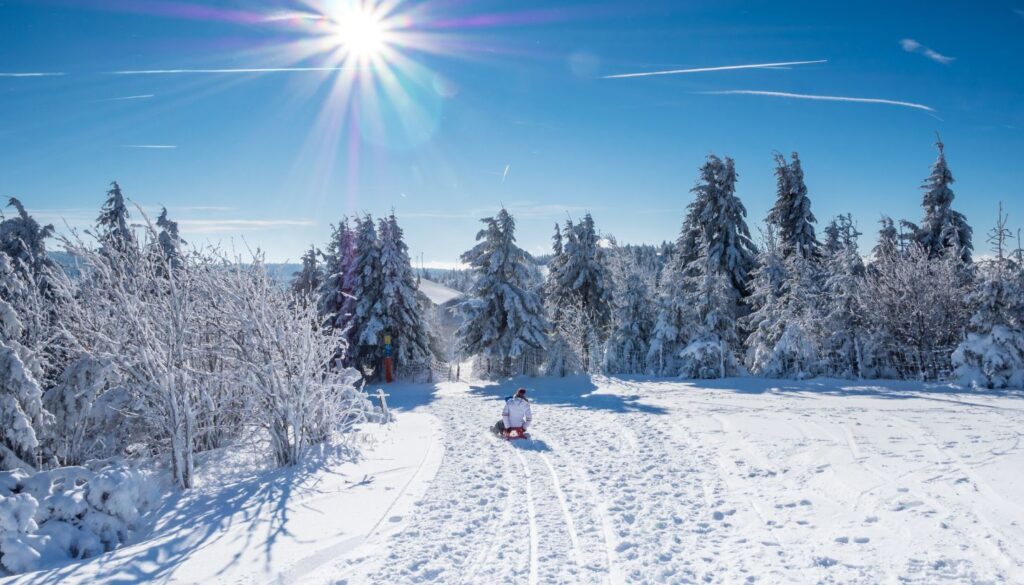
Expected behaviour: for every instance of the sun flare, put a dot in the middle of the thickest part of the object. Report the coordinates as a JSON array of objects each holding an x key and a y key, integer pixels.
[{"x": 360, "y": 32}]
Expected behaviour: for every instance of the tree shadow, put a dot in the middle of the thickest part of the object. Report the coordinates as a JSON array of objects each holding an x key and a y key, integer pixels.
[
  {"x": 189, "y": 522},
  {"x": 577, "y": 391}
]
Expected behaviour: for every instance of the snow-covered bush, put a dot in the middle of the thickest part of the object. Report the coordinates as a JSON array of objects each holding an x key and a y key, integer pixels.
[
  {"x": 68, "y": 513},
  {"x": 707, "y": 359},
  {"x": 992, "y": 355}
]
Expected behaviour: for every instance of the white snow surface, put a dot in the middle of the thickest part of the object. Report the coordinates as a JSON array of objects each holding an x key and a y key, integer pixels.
[
  {"x": 244, "y": 526},
  {"x": 725, "y": 481},
  {"x": 438, "y": 294},
  {"x": 631, "y": 480}
]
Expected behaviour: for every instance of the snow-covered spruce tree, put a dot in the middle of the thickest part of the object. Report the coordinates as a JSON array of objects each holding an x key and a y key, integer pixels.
[
  {"x": 714, "y": 239},
  {"x": 791, "y": 213},
  {"x": 365, "y": 323},
  {"x": 765, "y": 320},
  {"x": 992, "y": 355},
  {"x": 889, "y": 244},
  {"x": 310, "y": 277},
  {"x": 942, "y": 228},
  {"x": 844, "y": 327},
  {"x": 404, "y": 306},
  {"x": 113, "y": 226},
  {"x": 21, "y": 407},
  {"x": 504, "y": 320},
  {"x": 713, "y": 337},
  {"x": 24, "y": 241},
  {"x": 169, "y": 239},
  {"x": 284, "y": 358},
  {"x": 632, "y": 323},
  {"x": 335, "y": 296},
  {"x": 578, "y": 278}
]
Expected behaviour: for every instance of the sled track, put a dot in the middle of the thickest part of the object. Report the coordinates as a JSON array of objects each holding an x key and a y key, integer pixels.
[
  {"x": 577, "y": 553},
  {"x": 534, "y": 541}
]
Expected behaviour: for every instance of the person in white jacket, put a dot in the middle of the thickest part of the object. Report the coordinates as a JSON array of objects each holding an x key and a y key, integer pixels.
[{"x": 516, "y": 413}]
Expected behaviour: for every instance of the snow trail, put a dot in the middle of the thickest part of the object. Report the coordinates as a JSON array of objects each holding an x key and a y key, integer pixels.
[{"x": 534, "y": 541}]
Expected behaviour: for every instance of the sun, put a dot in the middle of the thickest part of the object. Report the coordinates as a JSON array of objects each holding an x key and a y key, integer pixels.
[{"x": 360, "y": 32}]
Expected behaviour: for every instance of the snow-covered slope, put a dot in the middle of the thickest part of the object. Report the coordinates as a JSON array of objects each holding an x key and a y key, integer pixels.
[
  {"x": 644, "y": 481},
  {"x": 438, "y": 293},
  {"x": 274, "y": 526}
]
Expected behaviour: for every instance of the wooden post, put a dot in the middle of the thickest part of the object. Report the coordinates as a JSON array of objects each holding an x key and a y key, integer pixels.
[{"x": 383, "y": 406}]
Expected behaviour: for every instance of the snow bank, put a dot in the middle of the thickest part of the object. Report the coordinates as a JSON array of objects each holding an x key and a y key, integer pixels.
[
  {"x": 67, "y": 513},
  {"x": 246, "y": 524}
]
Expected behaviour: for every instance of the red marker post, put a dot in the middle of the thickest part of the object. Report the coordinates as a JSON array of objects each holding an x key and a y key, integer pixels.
[{"x": 389, "y": 374}]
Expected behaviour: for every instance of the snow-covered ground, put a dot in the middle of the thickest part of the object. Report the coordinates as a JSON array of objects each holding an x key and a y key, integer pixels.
[
  {"x": 438, "y": 294},
  {"x": 627, "y": 481},
  {"x": 746, "y": 480},
  {"x": 243, "y": 525}
]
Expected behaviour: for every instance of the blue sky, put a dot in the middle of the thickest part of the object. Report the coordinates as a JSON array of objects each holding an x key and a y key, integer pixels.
[{"x": 461, "y": 106}]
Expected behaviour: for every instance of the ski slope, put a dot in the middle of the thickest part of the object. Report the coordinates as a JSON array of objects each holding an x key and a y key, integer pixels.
[{"x": 642, "y": 481}]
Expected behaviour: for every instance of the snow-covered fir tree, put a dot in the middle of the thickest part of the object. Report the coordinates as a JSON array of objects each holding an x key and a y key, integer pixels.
[
  {"x": 632, "y": 323},
  {"x": 845, "y": 341},
  {"x": 169, "y": 239},
  {"x": 578, "y": 278},
  {"x": 23, "y": 239},
  {"x": 713, "y": 337},
  {"x": 335, "y": 296},
  {"x": 504, "y": 327},
  {"x": 791, "y": 213},
  {"x": 889, "y": 244},
  {"x": 404, "y": 306},
  {"x": 714, "y": 241},
  {"x": 992, "y": 355},
  {"x": 114, "y": 224},
  {"x": 942, "y": 229},
  {"x": 21, "y": 407},
  {"x": 765, "y": 320},
  {"x": 365, "y": 324},
  {"x": 310, "y": 276}
]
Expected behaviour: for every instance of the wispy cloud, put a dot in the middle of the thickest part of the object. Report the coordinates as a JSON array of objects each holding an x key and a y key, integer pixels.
[
  {"x": 824, "y": 98},
  {"x": 912, "y": 46},
  {"x": 241, "y": 70},
  {"x": 520, "y": 211},
  {"x": 31, "y": 74},
  {"x": 721, "y": 68},
  {"x": 153, "y": 146},
  {"x": 210, "y": 226},
  {"x": 128, "y": 97}
]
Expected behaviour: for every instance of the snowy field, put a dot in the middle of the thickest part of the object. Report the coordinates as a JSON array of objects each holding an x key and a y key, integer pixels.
[{"x": 627, "y": 481}]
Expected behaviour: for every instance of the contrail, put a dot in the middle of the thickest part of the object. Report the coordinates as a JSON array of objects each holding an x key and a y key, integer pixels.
[
  {"x": 128, "y": 97},
  {"x": 30, "y": 74},
  {"x": 148, "y": 146},
  {"x": 505, "y": 174},
  {"x": 246, "y": 70},
  {"x": 826, "y": 98},
  {"x": 707, "y": 69}
]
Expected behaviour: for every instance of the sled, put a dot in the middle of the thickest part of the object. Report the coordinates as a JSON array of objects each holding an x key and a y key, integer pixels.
[{"x": 514, "y": 433}]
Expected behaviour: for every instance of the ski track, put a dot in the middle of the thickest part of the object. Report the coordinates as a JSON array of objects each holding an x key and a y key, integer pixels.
[{"x": 615, "y": 497}]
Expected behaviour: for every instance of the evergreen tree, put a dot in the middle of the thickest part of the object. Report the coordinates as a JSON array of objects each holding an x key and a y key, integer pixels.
[
  {"x": 504, "y": 320},
  {"x": 942, "y": 229},
  {"x": 21, "y": 408},
  {"x": 844, "y": 323},
  {"x": 578, "y": 275},
  {"x": 632, "y": 326},
  {"x": 402, "y": 304},
  {"x": 765, "y": 321},
  {"x": 724, "y": 236},
  {"x": 24, "y": 241},
  {"x": 992, "y": 355},
  {"x": 169, "y": 240},
  {"x": 792, "y": 211},
  {"x": 365, "y": 324},
  {"x": 113, "y": 225},
  {"x": 308, "y": 280},
  {"x": 713, "y": 337},
  {"x": 889, "y": 245},
  {"x": 336, "y": 301}
]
